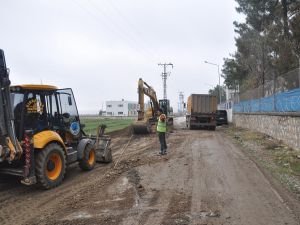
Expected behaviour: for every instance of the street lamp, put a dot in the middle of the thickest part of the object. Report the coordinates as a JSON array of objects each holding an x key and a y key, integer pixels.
[{"x": 214, "y": 64}]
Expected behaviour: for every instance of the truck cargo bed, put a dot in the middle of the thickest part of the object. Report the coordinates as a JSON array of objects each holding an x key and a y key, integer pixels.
[{"x": 201, "y": 111}]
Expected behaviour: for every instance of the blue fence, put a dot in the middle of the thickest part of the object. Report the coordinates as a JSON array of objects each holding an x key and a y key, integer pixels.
[{"x": 288, "y": 101}]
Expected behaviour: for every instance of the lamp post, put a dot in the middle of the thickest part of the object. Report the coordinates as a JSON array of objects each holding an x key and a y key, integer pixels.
[{"x": 214, "y": 64}]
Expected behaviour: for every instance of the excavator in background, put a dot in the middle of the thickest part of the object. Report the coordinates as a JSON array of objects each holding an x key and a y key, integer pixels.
[
  {"x": 41, "y": 133},
  {"x": 147, "y": 119}
]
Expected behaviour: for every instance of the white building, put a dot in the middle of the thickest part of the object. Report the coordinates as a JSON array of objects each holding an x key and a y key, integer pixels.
[{"x": 121, "y": 108}]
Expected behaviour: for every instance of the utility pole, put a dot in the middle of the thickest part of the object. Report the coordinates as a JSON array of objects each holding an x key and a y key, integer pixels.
[{"x": 165, "y": 76}]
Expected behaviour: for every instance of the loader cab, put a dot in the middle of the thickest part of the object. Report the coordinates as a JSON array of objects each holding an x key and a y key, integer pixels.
[{"x": 44, "y": 107}]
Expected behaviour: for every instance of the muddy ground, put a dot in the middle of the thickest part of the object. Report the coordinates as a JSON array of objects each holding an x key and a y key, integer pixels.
[{"x": 206, "y": 179}]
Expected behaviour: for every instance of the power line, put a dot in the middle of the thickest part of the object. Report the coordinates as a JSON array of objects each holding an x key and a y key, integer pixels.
[
  {"x": 112, "y": 29},
  {"x": 132, "y": 27},
  {"x": 119, "y": 29},
  {"x": 123, "y": 31}
]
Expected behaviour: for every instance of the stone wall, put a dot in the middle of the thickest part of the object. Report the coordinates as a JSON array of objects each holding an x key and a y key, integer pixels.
[{"x": 281, "y": 127}]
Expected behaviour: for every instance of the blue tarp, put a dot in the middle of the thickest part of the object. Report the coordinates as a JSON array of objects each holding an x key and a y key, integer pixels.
[{"x": 281, "y": 102}]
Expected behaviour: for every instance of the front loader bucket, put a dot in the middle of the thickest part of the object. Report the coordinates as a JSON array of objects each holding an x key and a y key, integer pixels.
[{"x": 103, "y": 150}]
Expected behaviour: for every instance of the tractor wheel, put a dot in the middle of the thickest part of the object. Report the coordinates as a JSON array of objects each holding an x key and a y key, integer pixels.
[
  {"x": 50, "y": 166},
  {"x": 89, "y": 158}
]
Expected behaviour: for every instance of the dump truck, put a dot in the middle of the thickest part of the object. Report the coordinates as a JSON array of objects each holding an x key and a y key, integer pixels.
[
  {"x": 41, "y": 133},
  {"x": 147, "y": 118},
  {"x": 201, "y": 111}
]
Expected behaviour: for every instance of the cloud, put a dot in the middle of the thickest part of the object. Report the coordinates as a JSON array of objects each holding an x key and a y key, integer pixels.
[{"x": 101, "y": 48}]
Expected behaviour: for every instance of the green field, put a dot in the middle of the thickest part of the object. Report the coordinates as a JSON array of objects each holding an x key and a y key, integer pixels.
[{"x": 91, "y": 124}]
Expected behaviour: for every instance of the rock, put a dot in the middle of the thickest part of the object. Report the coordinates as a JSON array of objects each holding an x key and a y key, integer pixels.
[
  {"x": 214, "y": 214},
  {"x": 236, "y": 137},
  {"x": 298, "y": 156}
]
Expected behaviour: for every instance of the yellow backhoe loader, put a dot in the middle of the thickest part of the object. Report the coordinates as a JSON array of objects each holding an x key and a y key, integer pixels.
[
  {"x": 41, "y": 133},
  {"x": 148, "y": 118}
]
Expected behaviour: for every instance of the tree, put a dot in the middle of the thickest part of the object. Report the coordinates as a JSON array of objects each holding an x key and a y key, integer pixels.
[
  {"x": 268, "y": 42},
  {"x": 215, "y": 91},
  {"x": 233, "y": 72}
]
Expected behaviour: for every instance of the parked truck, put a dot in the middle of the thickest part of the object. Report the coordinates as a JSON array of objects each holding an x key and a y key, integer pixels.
[{"x": 201, "y": 111}]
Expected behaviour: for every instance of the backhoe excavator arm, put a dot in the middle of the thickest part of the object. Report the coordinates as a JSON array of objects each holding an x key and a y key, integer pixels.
[
  {"x": 145, "y": 119},
  {"x": 145, "y": 89},
  {"x": 9, "y": 145}
]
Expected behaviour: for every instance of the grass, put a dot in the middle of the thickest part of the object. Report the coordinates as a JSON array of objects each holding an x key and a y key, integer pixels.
[
  {"x": 91, "y": 124},
  {"x": 288, "y": 158}
]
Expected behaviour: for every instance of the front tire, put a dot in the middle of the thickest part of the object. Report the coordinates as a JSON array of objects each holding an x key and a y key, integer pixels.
[
  {"x": 89, "y": 158},
  {"x": 50, "y": 166}
]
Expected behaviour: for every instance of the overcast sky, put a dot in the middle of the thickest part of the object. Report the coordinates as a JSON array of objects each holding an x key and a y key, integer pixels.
[{"x": 101, "y": 48}]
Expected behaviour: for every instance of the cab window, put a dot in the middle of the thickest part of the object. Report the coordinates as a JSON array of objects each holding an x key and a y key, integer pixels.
[
  {"x": 35, "y": 115},
  {"x": 67, "y": 103}
]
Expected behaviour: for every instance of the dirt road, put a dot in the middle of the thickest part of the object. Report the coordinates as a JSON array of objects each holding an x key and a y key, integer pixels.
[{"x": 204, "y": 179}]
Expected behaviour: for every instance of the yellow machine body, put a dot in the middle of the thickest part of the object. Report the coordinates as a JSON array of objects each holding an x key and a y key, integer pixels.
[{"x": 41, "y": 139}]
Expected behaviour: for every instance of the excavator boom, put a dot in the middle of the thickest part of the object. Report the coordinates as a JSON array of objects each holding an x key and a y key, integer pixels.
[
  {"x": 9, "y": 145},
  {"x": 145, "y": 121},
  {"x": 4, "y": 81},
  {"x": 145, "y": 89}
]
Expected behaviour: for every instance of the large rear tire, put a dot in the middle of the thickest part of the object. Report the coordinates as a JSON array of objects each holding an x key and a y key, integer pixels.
[
  {"x": 50, "y": 166},
  {"x": 89, "y": 158}
]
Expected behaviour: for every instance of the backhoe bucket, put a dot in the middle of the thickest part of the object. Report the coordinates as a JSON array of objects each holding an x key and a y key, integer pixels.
[{"x": 141, "y": 127}]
